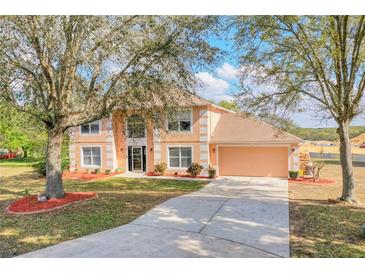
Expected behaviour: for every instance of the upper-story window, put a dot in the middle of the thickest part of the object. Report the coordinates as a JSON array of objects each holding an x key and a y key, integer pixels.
[
  {"x": 181, "y": 121},
  {"x": 136, "y": 127},
  {"x": 91, "y": 128}
]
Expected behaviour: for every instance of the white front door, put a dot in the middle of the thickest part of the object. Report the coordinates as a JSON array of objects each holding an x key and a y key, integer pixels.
[{"x": 137, "y": 159}]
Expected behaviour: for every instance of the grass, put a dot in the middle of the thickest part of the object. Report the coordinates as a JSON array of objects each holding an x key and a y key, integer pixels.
[
  {"x": 120, "y": 200},
  {"x": 320, "y": 229},
  {"x": 18, "y": 162},
  {"x": 337, "y": 162}
]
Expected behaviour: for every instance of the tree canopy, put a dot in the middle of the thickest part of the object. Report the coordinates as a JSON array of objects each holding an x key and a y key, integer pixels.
[
  {"x": 231, "y": 105},
  {"x": 75, "y": 69},
  {"x": 69, "y": 70},
  {"x": 21, "y": 131},
  {"x": 317, "y": 63}
]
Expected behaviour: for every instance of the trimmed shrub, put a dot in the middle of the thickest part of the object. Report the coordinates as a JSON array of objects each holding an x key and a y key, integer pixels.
[
  {"x": 41, "y": 167},
  {"x": 293, "y": 174},
  {"x": 96, "y": 170},
  {"x": 119, "y": 170},
  {"x": 107, "y": 171},
  {"x": 212, "y": 172},
  {"x": 160, "y": 168},
  {"x": 195, "y": 169}
]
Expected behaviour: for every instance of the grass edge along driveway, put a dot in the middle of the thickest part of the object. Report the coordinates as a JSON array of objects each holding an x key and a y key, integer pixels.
[{"x": 120, "y": 200}]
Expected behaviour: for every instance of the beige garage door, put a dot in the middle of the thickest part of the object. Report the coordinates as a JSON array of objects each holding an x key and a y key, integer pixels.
[{"x": 253, "y": 161}]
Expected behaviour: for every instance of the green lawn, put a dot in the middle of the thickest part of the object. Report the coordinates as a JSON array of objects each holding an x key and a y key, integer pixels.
[
  {"x": 18, "y": 162},
  {"x": 119, "y": 201},
  {"x": 320, "y": 229}
]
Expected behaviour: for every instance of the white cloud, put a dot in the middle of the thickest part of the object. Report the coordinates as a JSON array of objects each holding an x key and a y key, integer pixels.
[
  {"x": 228, "y": 72},
  {"x": 212, "y": 88}
]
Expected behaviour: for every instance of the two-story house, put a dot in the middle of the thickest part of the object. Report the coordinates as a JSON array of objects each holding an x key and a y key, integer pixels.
[{"x": 201, "y": 133}]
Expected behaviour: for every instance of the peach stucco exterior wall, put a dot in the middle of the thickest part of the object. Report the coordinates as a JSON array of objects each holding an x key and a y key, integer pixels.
[
  {"x": 204, "y": 121},
  {"x": 212, "y": 155},
  {"x": 119, "y": 130},
  {"x": 195, "y": 155},
  {"x": 103, "y": 139},
  {"x": 214, "y": 115},
  {"x": 178, "y": 137},
  {"x": 197, "y": 139},
  {"x": 119, "y": 140}
]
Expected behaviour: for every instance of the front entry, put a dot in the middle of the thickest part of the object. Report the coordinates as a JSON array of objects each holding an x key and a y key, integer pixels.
[{"x": 137, "y": 158}]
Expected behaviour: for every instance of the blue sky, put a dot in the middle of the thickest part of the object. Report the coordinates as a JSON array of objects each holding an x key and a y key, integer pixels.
[{"x": 221, "y": 83}]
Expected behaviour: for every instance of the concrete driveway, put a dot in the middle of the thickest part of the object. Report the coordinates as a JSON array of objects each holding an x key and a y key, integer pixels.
[{"x": 230, "y": 217}]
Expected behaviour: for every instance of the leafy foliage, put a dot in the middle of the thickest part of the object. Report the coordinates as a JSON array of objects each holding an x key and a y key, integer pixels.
[
  {"x": 292, "y": 63},
  {"x": 298, "y": 59},
  {"x": 21, "y": 131},
  {"x": 70, "y": 70},
  {"x": 293, "y": 174},
  {"x": 160, "y": 168},
  {"x": 41, "y": 167},
  {"x": 195, "y": 169},
  {"x": 231, "y": 105},
  {"x": 212, "y": 172},
  {"x": 78, "y": 68}
]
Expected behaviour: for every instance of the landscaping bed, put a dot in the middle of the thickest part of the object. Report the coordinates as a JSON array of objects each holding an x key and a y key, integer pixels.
[
  {"x": 66, "y": 175},
  {"x": 320, "y": 181},
  {"x": 30, "y": 205},
  {"x": 119, "y": 201},
  {"x": 178, "y": 175}
]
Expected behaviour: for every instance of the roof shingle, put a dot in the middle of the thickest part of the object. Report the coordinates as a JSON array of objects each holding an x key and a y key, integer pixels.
[{"x": 236, "y": 128}]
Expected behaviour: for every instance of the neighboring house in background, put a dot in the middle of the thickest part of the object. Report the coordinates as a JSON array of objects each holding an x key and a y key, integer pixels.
[{"x": 201, "y": 133}]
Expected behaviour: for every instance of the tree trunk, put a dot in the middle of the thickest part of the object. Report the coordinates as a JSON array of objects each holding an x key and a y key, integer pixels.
[
  {"x": 54, "y": 185},
  {"x": 348, "y": 183}
]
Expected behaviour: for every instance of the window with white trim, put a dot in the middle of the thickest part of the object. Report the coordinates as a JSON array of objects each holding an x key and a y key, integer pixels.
[
  {"x": 180, "y": 157},
  {"x": 181, "y": 121},
  {"x": 91, "y": 156},
  {"x": 91, "y": 128}
]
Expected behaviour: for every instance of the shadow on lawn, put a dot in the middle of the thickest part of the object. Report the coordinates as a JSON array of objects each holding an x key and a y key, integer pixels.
[
  {"x": 21, "y": 234},
  {"x": 320, "y": 229}
]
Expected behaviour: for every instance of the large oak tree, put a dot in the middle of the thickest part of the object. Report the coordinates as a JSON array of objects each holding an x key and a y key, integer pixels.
[
  {"x": 288, "y": 61},
  {"x": 70, "y": 70}
]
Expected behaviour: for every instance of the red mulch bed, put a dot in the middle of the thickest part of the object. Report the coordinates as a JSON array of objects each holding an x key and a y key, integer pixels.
[
  {"x": 29, "y": 204},
  {"x": 310, "y": 181},
  {"x": 85, "y": 176},
  {"x": 178, "y": 175}
]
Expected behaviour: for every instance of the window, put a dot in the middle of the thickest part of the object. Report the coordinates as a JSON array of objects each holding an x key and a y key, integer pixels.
[
  {"x": 91, "y": 156},
  {"x": 181, "y": 122},
  {"x": 92, "y": 128},
  {"x": 180, "y": 157},
  {"x": 136, "y": 127}
]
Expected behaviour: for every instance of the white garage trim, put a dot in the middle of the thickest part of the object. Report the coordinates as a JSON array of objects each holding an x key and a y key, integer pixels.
[{"x": 249, "y": 145}]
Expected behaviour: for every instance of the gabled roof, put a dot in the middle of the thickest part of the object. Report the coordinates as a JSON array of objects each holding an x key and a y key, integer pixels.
[
  {"x": 237, "y": 128},
  {"x": 195, "y": 100}
]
